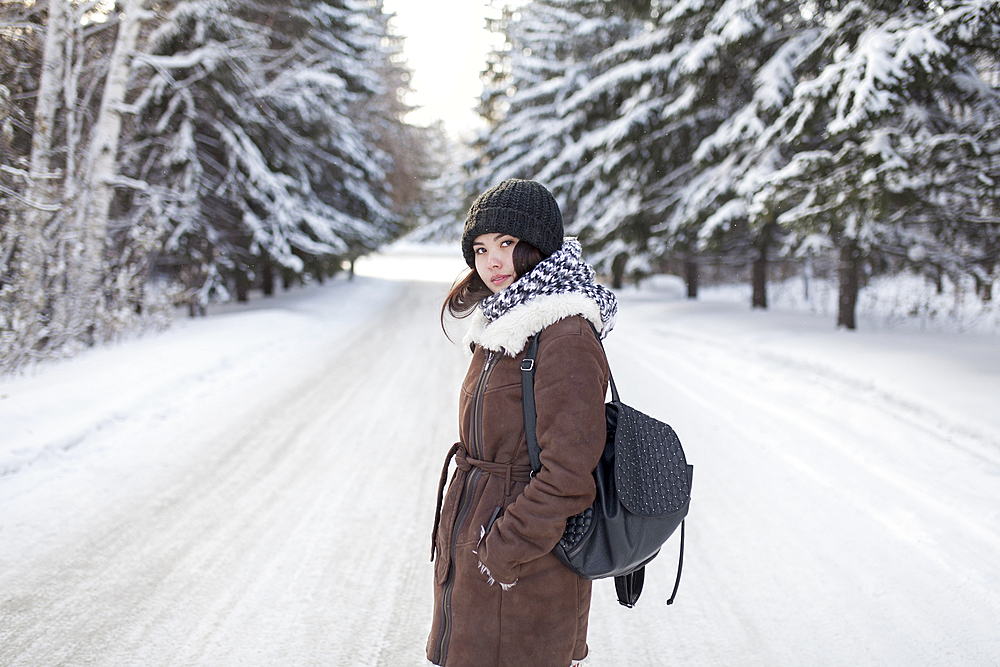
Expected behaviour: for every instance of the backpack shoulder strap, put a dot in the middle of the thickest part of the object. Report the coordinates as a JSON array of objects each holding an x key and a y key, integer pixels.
[
  {"x": 528, "y": 398},
  {"x": 528, "y": 403}
]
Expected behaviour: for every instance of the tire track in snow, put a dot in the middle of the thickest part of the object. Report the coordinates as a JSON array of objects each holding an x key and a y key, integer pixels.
[
  {"x": 925, "y": 415},
  {"x": 820, "y": 421}
]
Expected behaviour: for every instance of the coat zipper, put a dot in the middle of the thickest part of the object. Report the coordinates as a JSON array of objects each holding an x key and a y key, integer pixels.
[
  {"x": 476, "y": 437},
  {"x": 476, "y": 445}
]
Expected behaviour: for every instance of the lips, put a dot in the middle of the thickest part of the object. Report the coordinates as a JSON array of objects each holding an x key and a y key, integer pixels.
[{"x": 499, "y": 280}]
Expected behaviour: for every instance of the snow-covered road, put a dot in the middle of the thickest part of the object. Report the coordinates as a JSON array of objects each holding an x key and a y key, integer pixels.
[{"x": 257, "y": 488}]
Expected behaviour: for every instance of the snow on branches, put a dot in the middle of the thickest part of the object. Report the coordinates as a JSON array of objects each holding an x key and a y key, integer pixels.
[{"x": 711, "y": 125}]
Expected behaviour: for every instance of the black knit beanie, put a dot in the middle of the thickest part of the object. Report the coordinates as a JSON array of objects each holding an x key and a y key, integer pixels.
[{"x": 523, "y": 209}]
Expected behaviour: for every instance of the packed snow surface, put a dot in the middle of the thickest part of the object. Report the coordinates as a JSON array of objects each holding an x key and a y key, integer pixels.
[{"x": 257, "y": 487}]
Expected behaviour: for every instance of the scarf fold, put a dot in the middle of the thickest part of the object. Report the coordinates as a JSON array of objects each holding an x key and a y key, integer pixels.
[{"x": 563, "y": 272}]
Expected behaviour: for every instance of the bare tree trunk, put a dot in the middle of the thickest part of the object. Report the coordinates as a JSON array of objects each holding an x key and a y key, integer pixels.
[
  {"x": 65, "y": 243},
  {"x": 618, "y": 271},
  {"x": 759, "y": 269},
  {"x": 54, "y": 65},
  {"x": 807, "y": 275},
  {"x": 849, "y": 274},
  {"x": 242, "y": 286},
  {"x": 25, "y": 302},
  {"x": 984, "y": 281},
  {"x": 101, "y": 165},
  {"x": 287, "y": 279},
  {"x": 267, "y": 277},
  {"x": 691, "y": 277}
]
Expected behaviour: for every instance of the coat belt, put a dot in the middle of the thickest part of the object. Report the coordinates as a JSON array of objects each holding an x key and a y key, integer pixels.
[{"x": 510, "y": 472}]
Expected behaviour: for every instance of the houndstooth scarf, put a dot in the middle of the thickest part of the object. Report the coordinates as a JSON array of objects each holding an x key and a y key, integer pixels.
[{"x": 563, "y": 272}]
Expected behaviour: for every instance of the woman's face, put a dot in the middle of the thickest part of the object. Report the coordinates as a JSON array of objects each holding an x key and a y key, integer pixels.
[{"x": 494, "y": 260}]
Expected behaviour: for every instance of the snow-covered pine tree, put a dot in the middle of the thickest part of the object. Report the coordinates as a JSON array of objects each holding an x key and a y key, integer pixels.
[
  {"x": 346, "y": 99},
  {"x": 251, "y": 145},
  {"x": 879, "y": 120},
  {"x": 547, "y": 57},
  {"x": 962, "y": 207},
  {"x": 196, "y": 84},
  {"x": 642, "y": 145},
  {"x": 654, "y": 88},
  {"x": 737, "y": 66}
]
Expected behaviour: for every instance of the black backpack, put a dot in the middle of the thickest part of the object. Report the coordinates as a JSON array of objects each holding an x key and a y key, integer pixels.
[{"x": 643, "y": 493}]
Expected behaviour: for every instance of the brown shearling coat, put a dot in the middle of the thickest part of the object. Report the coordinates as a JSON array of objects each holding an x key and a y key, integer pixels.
[{"x": 541, "y": 621}]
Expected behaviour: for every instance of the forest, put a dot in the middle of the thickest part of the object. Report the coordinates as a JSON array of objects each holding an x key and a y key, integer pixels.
[
  {"x": 157, "y": 154},
  {"x": 857, "y": 136}
]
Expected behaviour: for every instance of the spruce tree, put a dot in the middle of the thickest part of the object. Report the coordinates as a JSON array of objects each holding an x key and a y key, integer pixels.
[
  {"x": 885, "y": 121},
  {"x": 253, "y": 145},
  {"x": 547, "y": 56}
]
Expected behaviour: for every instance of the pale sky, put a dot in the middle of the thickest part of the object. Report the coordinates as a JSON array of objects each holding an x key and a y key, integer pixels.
[{"x": 446, "y": 45}]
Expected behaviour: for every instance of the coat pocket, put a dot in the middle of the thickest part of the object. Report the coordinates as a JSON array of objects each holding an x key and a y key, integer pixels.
[
  {"x": 441, "y": 563},
  {"x": 445, "y": 528}
]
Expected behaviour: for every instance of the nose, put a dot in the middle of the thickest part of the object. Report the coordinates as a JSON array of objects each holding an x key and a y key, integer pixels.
[{"x": 494, "y": 260}]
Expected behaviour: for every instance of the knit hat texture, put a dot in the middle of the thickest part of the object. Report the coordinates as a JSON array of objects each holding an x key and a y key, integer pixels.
[{"x": 523, "y": 209}]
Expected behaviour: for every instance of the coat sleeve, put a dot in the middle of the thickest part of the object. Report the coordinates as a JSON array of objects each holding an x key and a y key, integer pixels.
[{"x": 571, "y": 379}]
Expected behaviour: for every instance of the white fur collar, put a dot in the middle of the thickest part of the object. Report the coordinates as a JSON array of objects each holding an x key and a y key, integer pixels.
[{"x": 510, "y": 333}]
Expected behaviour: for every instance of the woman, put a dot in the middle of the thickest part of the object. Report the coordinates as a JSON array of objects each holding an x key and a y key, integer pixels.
[{"x": 501, "y": 599}]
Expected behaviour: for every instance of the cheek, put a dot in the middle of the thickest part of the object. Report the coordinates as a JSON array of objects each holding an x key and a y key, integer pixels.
[
  {"x": 481, "y": 267},
  {"x": 509, "y": 259}
]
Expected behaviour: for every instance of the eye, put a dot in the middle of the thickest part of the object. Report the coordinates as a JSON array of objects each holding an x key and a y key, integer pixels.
[
  {"x": 479, "y": 250},
  {"x": 507, "y": 242}
]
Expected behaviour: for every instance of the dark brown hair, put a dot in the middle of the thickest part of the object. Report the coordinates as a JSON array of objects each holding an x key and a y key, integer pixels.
[{"x": 466, "y": 294}]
